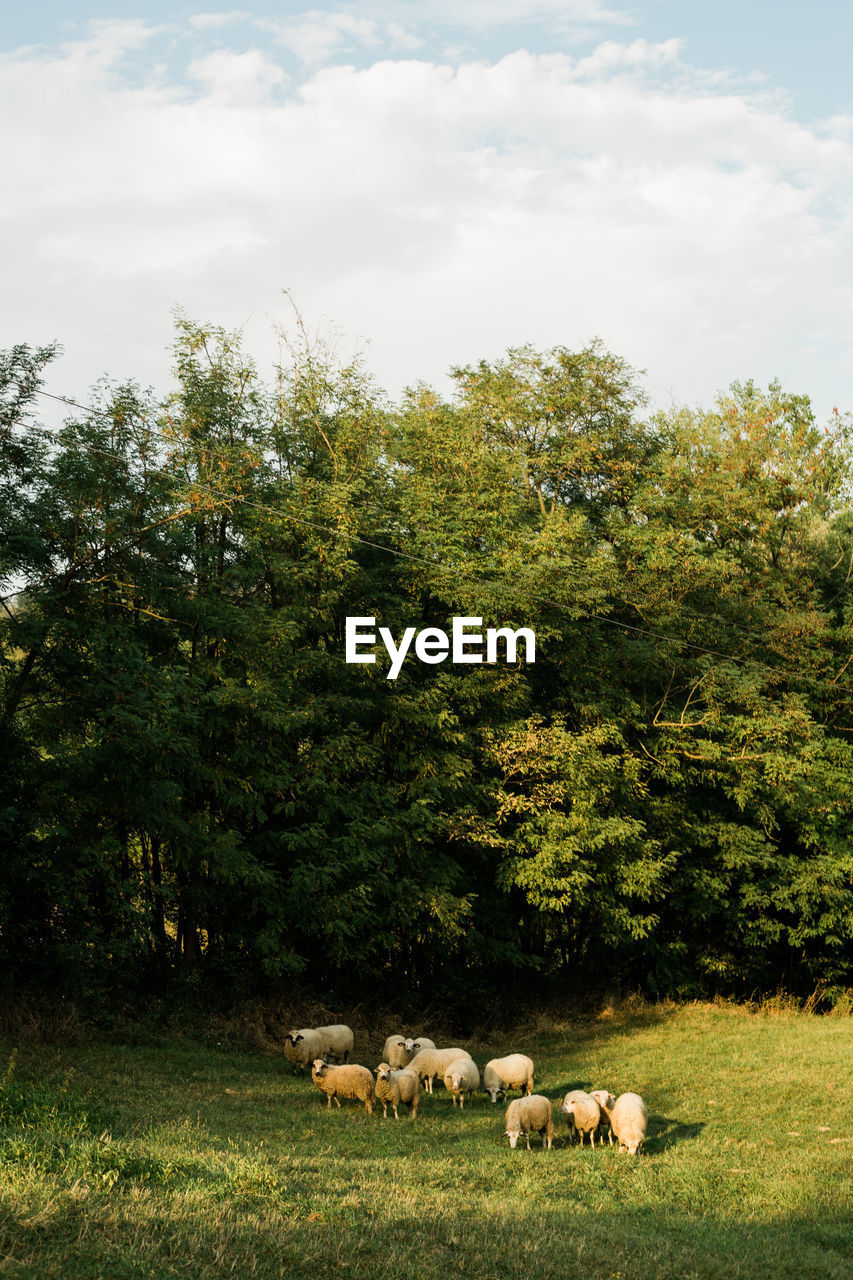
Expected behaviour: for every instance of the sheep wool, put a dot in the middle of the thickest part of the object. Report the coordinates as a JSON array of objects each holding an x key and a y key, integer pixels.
[
  {"x": 349, "y": 1081},
  {"x": 430, "y": 1063},
  {"x": 415, "y": 1046},
  {"x": 628, "y": 1119},
  {"x": 302, "y": 1047},
  {"x": 531, "y": 1114},
  {"x": 337, "y": 1041},
  {"x": 583, "y": 1115},
  {"x": 512, "y": 1072},
  {"x": 395, "y": 1052},
  {"x": 461, "y": 1077},
  {"x": 395, "y": 1087},
  {"x": 606, "y": 1102}
]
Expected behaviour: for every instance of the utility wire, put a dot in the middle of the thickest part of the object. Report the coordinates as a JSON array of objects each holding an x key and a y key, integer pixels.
[
  {"x": 428, "y": 563},
  {"x": 63, "y": 313}
]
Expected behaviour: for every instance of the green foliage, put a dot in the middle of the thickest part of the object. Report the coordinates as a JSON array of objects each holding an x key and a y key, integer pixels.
[{"x": 200, "y": 792}]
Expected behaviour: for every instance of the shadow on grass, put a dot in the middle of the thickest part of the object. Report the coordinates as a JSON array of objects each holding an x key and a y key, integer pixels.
[
  {"x": 665, "y": 1133},
  {"x": 550, "y": 1031},
  {"x": 304, "y": 1236}
]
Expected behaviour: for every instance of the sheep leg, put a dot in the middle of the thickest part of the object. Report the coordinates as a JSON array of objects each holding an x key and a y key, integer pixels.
[
  {"x": 396, "y": 1117},
  {"x": 337, "y": 1100}
]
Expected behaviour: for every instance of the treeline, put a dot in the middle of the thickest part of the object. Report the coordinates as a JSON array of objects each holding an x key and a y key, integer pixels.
[{"x": 195, "y": 782}]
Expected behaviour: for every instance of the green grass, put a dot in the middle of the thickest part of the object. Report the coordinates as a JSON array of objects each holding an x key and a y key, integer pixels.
[{"x": 186, "y": 1159}]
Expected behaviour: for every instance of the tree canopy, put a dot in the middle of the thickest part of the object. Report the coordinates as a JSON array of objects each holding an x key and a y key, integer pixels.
[{"x": 194, "y": 779}]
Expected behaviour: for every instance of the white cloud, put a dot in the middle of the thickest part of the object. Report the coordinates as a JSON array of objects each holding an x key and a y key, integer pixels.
[
  {"x": 641, "y": 55},
  {"x": 489, "y": 14},
  {"x": 316, "y": 35},
  {"x": 237, "y": 79},
  {"x": 215, "y": 21},
  {"x": 109, "y": 40},
  {"x": 444, "y": 212}
]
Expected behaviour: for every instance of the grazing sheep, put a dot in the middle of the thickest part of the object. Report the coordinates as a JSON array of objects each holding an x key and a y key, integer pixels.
[
  {"x": 606, "y": 1102},
  {"x": 302, "y": 1047},
  {"x": 337, "y": 1041},
  {"x": 350, "y": 1081},
  {"x": 395, "y": 1052},
  {"x": 430, "y": 1063},
  {"x": 415, "y": 1046},
  {"x": 395, "y": 1087},
  {"x": 628, "y": 1120},
  {"x": 583, "y": 1114},
  {"x": 513, "y": 1072},
  {"x": 531, "y": 1114},
  {"x": 462, "y": 1077}
]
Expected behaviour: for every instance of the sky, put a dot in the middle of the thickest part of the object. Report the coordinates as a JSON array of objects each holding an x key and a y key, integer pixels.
[{"x": 431, "y": 183}]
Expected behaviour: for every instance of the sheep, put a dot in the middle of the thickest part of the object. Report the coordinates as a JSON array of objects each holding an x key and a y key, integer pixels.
[
  {"x": 395, "y": 1052},
  {"x": 302, "y": 1047},
  {"x": 531, "y": 1114},
  {"x": 414, "y": 1046},
  {"x": 462, "y": 1077},
  {"x": 583, "y": 1115},
  {"x": 337, "y": 1041},
  {"x": 430, "y": 1063},
  {"x": 513, "y": 1072},
  {"x": 395, "y": 1087},
  {"x": 628, "y": 1119},
  {"x": 350, "y": 1081},
  {"x": 606, "y": 1102}
]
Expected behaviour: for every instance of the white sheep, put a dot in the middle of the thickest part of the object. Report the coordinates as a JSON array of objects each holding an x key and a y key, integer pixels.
[
  {"x": 337, "y": 1041},
  {"x": 606, "y": 1102},
  {"x": 583, "y": 1115},
  {"x": 628, "y": 1119},
  {"x": 415, "y": 1046},
  {"x": 531, "y": 1114},
  {"x": 395, "y": 1052},
  {"x": 430, "y": 1063},
  {"x": 301, "y": 1047},
  {"x": 395, "y": 1087},
  {"x": 512, "y": 1072},
  {"x": 462, "y": 1077},
  {"x": 350, "y": 1081}
]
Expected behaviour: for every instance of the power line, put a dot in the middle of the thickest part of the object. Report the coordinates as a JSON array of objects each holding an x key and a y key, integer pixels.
[
  {"x": 683, "y": 611},
  {"x": 63, "y": 313},
  {"x": 428, "y": 563},
  {"x": 433, "y": 564}
]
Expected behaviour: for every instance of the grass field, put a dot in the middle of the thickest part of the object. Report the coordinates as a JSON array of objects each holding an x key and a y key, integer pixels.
[{"x": 183, "y": 1158}]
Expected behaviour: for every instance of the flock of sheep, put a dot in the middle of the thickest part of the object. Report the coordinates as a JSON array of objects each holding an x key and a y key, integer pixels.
[{"x": 408, "y": 1065}]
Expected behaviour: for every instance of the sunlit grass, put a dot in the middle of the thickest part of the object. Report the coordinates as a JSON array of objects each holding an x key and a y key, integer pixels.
[{"x": 183, "y": 1159}]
